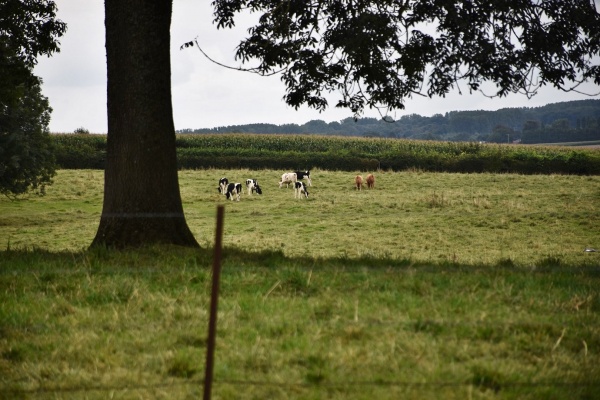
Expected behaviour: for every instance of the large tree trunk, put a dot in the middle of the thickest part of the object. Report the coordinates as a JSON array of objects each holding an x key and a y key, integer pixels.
[{"x": 142, "y": 202}]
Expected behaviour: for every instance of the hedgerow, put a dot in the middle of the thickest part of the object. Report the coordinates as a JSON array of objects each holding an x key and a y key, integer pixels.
[{"x": 285, "y": 152}]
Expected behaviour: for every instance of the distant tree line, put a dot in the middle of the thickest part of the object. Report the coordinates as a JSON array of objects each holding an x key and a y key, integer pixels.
[{"x": 553, "y": 123}]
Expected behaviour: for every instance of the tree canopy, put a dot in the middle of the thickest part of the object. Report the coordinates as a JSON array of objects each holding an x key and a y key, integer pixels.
[
  {"x": 381, "y": 53},
  {"x": 28, "y": 29},
  {"x": 27, "y": 161}
]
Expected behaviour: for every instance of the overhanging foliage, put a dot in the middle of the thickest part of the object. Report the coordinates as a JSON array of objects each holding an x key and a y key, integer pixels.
[{"x": 381, "y": 53}]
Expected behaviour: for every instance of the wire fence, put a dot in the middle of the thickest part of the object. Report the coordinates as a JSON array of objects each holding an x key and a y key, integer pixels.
[{"x": 350, "y": 385}]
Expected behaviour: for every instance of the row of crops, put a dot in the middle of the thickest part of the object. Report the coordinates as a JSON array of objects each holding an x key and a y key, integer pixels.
[{"x": 255, "y": 151}]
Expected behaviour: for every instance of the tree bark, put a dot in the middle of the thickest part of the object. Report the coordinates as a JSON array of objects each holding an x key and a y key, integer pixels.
[{"x": 142, "y": 203}]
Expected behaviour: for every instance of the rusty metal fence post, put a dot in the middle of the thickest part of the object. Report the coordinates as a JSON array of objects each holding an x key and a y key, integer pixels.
[{"x": 214, "y": 299}]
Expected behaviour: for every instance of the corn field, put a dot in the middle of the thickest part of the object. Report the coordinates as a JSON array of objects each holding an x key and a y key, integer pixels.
[{"x": 259, "y": 151}]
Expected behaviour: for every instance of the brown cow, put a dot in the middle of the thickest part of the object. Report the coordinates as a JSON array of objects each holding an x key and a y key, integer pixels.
[
  {"x": 371, "y": 181},
  {"x": 358, "y": 181}
]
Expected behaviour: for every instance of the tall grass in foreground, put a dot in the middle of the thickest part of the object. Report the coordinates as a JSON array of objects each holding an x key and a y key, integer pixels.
[{"x": 130, "y": 325}]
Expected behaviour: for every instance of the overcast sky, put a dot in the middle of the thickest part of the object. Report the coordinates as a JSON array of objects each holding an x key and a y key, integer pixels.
[{"x": 204, "y": 94}]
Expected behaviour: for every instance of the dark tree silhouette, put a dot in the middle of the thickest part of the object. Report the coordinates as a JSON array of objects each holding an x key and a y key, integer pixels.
[
  {"x": 381, "y": 53},
  {"x": 27, "y": 30},
  {"x": 375, "y": 53},
  {"x": 142, "y": 203}
]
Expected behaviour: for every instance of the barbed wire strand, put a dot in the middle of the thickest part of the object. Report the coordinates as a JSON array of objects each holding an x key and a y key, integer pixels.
[{"x": 303, "y": 385}]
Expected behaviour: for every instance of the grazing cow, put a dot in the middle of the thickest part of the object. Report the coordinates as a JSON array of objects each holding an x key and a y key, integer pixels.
[
  {"x": 252, "y": 186},
  {"x": 299, "y": 190},
  {"x": 233, "y": 189},
  {"x": 358, "y": 181},
  {"x": 304, "y": 174},
  {"x": 287, "y": 178},
  {"x": 371, "y": 181},
  {"x": 223, "y": 182}
]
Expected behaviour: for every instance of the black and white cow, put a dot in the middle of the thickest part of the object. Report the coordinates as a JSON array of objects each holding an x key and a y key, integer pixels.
[
  {"x": 252, "y": 186},
  {"x": 233, "y": 189},
  {"x": 300, "y": 175},
  {"x": 223, "y": 182},
  {"x": 300, "y": 190},
  {"x": 287, "y": 178}
]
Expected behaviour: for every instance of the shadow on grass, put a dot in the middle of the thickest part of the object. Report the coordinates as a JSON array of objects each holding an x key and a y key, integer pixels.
[{"x": 160, "y": 257}]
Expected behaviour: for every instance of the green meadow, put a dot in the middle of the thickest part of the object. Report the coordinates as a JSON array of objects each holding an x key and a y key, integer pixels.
[
  {"x": 432, "y": 217},
  {"x": 432, "y": 285}
]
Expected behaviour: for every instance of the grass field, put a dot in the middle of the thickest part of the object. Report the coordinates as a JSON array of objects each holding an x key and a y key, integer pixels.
[
  {"x": 464, "y": 218},
  {"x": 430, "y": 286}
]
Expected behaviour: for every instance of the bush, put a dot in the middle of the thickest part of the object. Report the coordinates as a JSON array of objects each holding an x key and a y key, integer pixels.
[
  {"x": 81, "y": 131},
  {"x": 80, "y": 151}
]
